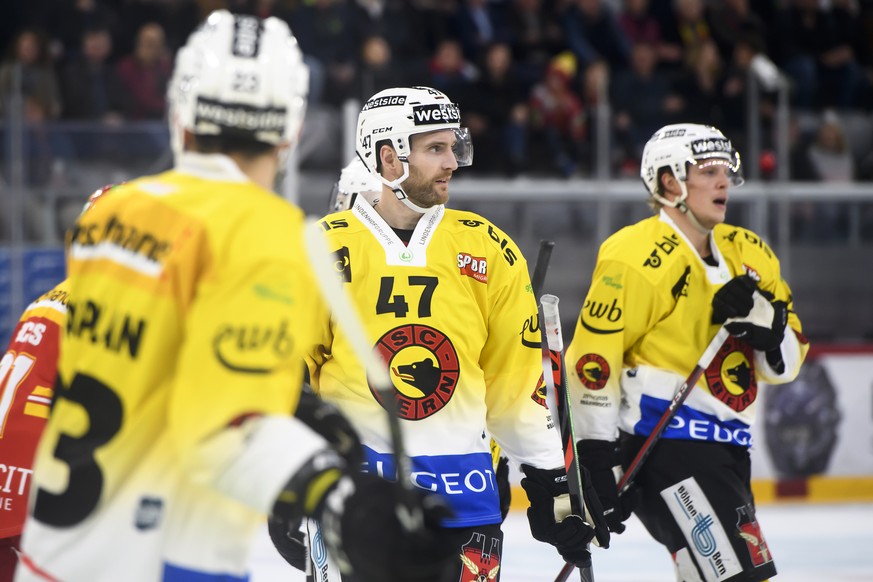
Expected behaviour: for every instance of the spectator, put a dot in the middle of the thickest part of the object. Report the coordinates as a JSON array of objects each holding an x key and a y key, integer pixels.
[
  {"x": 734, "y": 93},
  {"x": 829, "y": 159},
  {"x": 39, "y": 84},
  {"x": 326, "y": 34},
  {"x": 684, "y": 34},
  {"x": 448, "y": 70},
  {"x": 144, "y": 75},
  {"x": 558, "y": 116},
  {"x": 593, "y": 33},
  {"x": 476, "y": 24},
  {"x": 641, "y": 101},
  {"x": 700, "y": 87},
  {"x": 495, "y": 111},
  {"x": 378, "y": 70},
  {"x": 810, "y": 50},
  {"x": 67, "y": 22},
  {"x": 535, "y": 35},
  {"x": 733, "y": 19},
  {"x": 90, "y": 85},
  {"x": 638, "y": 23}
]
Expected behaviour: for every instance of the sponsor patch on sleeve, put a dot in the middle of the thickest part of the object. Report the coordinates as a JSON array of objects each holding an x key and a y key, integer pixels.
[{"x": 593, "y": 371}]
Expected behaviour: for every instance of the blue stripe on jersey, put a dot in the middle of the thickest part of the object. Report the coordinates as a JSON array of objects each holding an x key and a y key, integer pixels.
[
  {"x": 467, "y": 482},
  {"x": 691, "y": 424},
  {"x": 179, "y": 574}
]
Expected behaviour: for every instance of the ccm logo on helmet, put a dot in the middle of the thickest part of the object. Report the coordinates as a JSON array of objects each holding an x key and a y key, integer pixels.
[
  {"x": 703, "y": 146},
  {"x": 435, "y": 113},
  {"x": 384, "y": 102}
]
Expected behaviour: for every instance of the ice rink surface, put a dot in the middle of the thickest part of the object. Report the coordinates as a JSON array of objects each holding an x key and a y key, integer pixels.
[{"x": 810, "y": 543}]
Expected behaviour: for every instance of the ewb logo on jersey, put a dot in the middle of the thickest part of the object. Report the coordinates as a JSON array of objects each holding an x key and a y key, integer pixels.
[{"x": 424, "y": 369}]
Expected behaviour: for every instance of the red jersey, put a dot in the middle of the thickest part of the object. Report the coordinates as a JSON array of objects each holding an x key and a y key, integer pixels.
[{"x": 27, "y": 378}]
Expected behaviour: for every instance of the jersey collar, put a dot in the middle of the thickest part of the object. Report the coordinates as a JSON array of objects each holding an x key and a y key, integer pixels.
[
  {"x": 396, "y": 252},
  {"x": 217, "y": 167},
  {"x": 715, "y": 274}
]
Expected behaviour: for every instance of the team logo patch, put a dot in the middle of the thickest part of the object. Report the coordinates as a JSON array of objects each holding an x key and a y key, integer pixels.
[
  {"x": 731, "y": 375},
  {"x": 481, "y": 563},
  {"x": 148, "y": 514},
  {"x": 475, "y": 267},
  {"x": 343, "y": 265},
  {"x": 593, "y": 371},
  {"x": 424, "y": 369},
  {"x": 539, "y": 393},
  {"x": 750, "y": 532},
  {"x": 680, "y": 289}
]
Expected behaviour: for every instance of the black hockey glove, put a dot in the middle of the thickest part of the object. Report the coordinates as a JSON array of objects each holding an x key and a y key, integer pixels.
[
  {"x": 288, "y": 541},
  {"x": 361, "y": 524},
  {"x": 763, "y": 327},
  {"x": 734, "y": 299},
  {"x": 550, "y": 516},
  {"x": 325, "y": 419},
  {"x": 599, "y": 458},
  {"x": 504, "y": 489}
]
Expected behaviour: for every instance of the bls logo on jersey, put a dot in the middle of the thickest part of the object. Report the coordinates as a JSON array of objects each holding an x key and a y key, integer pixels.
[
  {"x": 30, "y": 333},
  {"x": 475, "y": 267},
  {"x": 424, "y": 369},
  {"x": 481, "y": 563}
]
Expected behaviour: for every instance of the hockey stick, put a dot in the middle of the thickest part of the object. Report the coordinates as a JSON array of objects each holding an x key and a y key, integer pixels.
[
  {"x": 558, "y": 400},
  {"x": 681, "y": 395},
  {"x": 345, "y": 313},
  {"x": 541, "y": 266}
]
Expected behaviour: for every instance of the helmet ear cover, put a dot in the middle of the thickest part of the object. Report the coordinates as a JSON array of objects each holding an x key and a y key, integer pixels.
[
  {"x": 239, "y": 77},
  {"x": 355, "y": 179}
]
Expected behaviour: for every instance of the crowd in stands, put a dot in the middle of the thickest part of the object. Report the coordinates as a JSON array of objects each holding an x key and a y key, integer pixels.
[{"x": 529, "y": 75}]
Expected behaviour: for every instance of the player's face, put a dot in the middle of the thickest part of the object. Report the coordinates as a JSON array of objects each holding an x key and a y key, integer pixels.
[
  {"x": 431, "y": 165},
  {"x": 707, "y": 184}
]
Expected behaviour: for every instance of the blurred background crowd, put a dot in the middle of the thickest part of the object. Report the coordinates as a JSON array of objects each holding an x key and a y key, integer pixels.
[
  {"x": 560, "y": 97},
  {"x": 528, "y": 74}
]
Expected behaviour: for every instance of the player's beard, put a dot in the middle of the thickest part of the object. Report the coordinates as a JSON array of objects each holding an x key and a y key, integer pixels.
[{"x": 421, "y": 191}]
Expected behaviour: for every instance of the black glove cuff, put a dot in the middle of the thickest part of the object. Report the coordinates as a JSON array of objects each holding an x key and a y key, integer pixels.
[
  {"x": 552, "y": 480},
  {"x": 597, "y": 454}
]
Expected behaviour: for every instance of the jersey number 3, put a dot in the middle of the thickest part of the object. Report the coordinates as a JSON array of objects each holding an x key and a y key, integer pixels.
[{"x": 85, "y": 484}]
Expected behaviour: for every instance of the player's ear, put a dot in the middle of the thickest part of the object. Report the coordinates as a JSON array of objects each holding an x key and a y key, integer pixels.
[{"x": 390, "y": 163}]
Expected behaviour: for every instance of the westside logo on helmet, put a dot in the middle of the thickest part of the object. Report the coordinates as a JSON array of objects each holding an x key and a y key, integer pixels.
[
  {"x": 384, "y": 101},
  {"x": 705, "y": 146},
  {"x": 436, "y": 114}
]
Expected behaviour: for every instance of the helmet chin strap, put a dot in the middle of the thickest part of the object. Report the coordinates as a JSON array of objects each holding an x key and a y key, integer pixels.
[
  {"x": 680, "y": 204},
  {"x": 399, "y": 192}
]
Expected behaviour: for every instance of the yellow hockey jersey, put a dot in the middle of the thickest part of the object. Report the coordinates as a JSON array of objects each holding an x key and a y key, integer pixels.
[
  {"x": 191, "y": 306},
  {"x": 646, "y": 321},
  {"x": 453, "y": 315}
]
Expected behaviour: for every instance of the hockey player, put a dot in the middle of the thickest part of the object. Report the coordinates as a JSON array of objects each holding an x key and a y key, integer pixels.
[
  {"x": 27, "y": 380},
  {"x": 190, "y": 308},
  {"x": 661, "y": 289},
  {"x": 446, "y": 298}
]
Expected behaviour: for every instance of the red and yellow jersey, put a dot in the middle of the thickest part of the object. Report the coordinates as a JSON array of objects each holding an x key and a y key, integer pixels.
[
  {"x": 192, "y": 303},
  {"x": 453, "y": 315},
  {"x": 27, "y": 379},
  {"x": 645, "y": 323}
]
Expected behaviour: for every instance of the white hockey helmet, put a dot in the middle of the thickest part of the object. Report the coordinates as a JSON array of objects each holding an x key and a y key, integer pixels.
[
  {"x": 241, "y": 76},
  {"x": 355, "y": 179},
  {"x": 394, "y": 115},
  {"x": 680, "y": 145}
]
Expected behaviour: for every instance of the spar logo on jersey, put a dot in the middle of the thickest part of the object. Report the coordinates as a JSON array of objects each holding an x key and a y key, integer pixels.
[
  {"x": 593, "y": 371},
  {"x": 424, "y": 369},
  {"x": 481, "y": 558},
  {"x": 731, "y": 375},
  {"x": 343, "y": 265},
  {"x": 475, "y": 267},
  {"x": 666, "y": 244}
]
